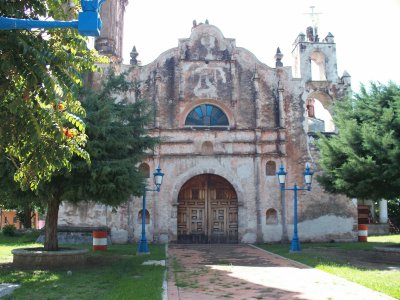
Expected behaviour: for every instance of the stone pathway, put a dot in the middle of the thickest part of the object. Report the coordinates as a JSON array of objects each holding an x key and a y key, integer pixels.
[
  {"x": 7, "y": 288},
  {"x": 206, "y": 272}
]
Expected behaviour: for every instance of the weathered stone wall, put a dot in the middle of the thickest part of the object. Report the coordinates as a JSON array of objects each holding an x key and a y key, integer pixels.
[
  {"x": 94, "y": 215},
  {"x": 265, "y": 108}
]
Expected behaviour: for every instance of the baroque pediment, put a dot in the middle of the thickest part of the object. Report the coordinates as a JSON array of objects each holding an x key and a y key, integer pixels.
[{"x": 206, "y": 43}]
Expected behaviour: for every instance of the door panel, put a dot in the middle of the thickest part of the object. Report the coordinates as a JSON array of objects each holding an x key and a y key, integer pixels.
[
  {"x": 207, "y": 211},
  {"x": 218, "y": 225}
]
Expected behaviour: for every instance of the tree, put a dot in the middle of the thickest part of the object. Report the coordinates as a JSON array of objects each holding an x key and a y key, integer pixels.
[
  {"x": 117, "y": 143},
  {"x": 363, "y": 160},
  {"x": 40, "y": 76}
]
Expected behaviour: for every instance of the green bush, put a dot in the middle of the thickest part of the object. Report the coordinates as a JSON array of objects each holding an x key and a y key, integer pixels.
[{"x": 9, "y": 230}]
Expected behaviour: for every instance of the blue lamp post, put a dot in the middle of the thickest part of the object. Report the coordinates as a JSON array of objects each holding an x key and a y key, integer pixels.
[
  {"x": 143, "y": 247},
  {"x": 88, "y": 23},
  {"x": 295, "y": 246}
]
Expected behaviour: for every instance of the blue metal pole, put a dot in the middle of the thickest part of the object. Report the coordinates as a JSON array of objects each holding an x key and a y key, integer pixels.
[
  {"x": 143, "y": 246},
  {"x": 295, "y": 246},
  {"x": 88, "y": 23},
  {"x": 11, "y": 23}
]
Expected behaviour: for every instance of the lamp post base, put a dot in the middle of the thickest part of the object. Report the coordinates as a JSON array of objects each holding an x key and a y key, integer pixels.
[
  {"x": 295, "y": 246},
  {"x": 143, "y": 248}
]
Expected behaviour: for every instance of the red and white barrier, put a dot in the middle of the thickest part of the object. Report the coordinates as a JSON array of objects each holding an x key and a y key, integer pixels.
[
  {"x": 362, "y": 232},
  {"x": 100, "y": 240}
]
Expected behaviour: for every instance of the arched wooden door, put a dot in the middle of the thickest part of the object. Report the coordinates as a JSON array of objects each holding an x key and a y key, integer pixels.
[{"x": 207, "y": 211}]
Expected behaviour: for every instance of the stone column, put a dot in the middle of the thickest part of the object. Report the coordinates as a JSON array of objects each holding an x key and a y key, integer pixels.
[
  {"x": 109, "y": 42},
  {"x": 383, "y": 212}
]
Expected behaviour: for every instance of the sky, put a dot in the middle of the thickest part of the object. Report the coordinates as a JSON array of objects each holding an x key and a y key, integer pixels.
[{"x": 366, "y": 31}]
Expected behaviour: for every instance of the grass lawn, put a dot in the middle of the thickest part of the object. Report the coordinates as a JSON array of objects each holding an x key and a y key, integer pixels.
[
  {"x": 7, "y": 243},
  {"x": 323, "y": 256},
  {"x": 113, "y": 274}
]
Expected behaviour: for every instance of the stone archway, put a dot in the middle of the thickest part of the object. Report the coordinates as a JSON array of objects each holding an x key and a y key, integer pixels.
[{"x": 207, "y": 211}]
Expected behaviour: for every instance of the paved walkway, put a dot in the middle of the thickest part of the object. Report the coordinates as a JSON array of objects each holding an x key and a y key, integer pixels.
[
  {"x": 7, "y": 288},
  {"x": 206, "y": 272}
]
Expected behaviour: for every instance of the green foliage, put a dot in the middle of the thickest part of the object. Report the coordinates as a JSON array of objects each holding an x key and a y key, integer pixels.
[
  {"x": 363, "y": 160},
  {"x": 9, "y": 230},
  {"x": 118, "y": 140},
  {"x": 39, "y": 70},
  {"x": 394, "y": 212}
]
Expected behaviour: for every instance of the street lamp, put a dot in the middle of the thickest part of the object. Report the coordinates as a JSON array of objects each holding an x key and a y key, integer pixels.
[
  {"x": 295, "y": 246},
  {"x": 143, "y": 247},
  {"x": 88, "y": 23}
]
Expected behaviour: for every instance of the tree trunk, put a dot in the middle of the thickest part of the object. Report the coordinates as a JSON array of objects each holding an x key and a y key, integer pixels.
[
  {"x": 27, "y": 218},
  {"x": 24, "y": 216},
  {"x": 50, "y": 240}
]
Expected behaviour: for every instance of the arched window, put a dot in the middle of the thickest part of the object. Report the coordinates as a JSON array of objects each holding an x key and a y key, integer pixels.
[
  {"x": 321, "y": 120},
  {"x": 139, "y": 219},
  {"x": 317, "y": 59},
  {"x": 206, "y": 115},
  {"x": 270, "y": 168},
  {"x": 145, "y": 169},
  {"x": 271, "y": 216},
  {"x": 323, "y": 114}
]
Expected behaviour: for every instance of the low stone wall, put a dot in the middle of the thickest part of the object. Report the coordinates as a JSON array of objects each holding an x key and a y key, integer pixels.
[
  {"x": 378, "y": 229},
  {"x": 37, "y": 257},
  {"x": 76, "y": 235}
]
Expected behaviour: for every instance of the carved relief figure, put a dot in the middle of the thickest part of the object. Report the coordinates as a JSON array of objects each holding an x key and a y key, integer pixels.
[
  {"x": 207, "y": 81},
  {"x": 209, "y": 43}
]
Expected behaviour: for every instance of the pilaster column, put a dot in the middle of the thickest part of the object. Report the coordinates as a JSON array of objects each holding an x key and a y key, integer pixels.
[
  {"x": 281, "y": 108},
  {"x": 157, "y": 80},
  {"x": 256, "y": 80}
]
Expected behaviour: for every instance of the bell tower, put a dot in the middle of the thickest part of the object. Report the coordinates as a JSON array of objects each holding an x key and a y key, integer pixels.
[
  {"x": 109, "y": 42},
  {"x": 315, "y": 60}
]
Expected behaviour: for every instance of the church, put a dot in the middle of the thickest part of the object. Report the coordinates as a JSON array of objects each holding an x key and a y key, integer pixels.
[{"x": 227, "y": 121}]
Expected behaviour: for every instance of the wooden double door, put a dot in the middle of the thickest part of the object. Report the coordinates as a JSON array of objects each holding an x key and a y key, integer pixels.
[{"x": 207, "y": 211}]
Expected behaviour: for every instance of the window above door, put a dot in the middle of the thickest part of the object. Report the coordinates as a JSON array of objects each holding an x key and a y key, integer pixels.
[{"x": 207, "y": 116}]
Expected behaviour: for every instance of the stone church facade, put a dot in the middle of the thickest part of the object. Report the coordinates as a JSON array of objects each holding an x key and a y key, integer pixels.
[{"x": 227, "y": 122}]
